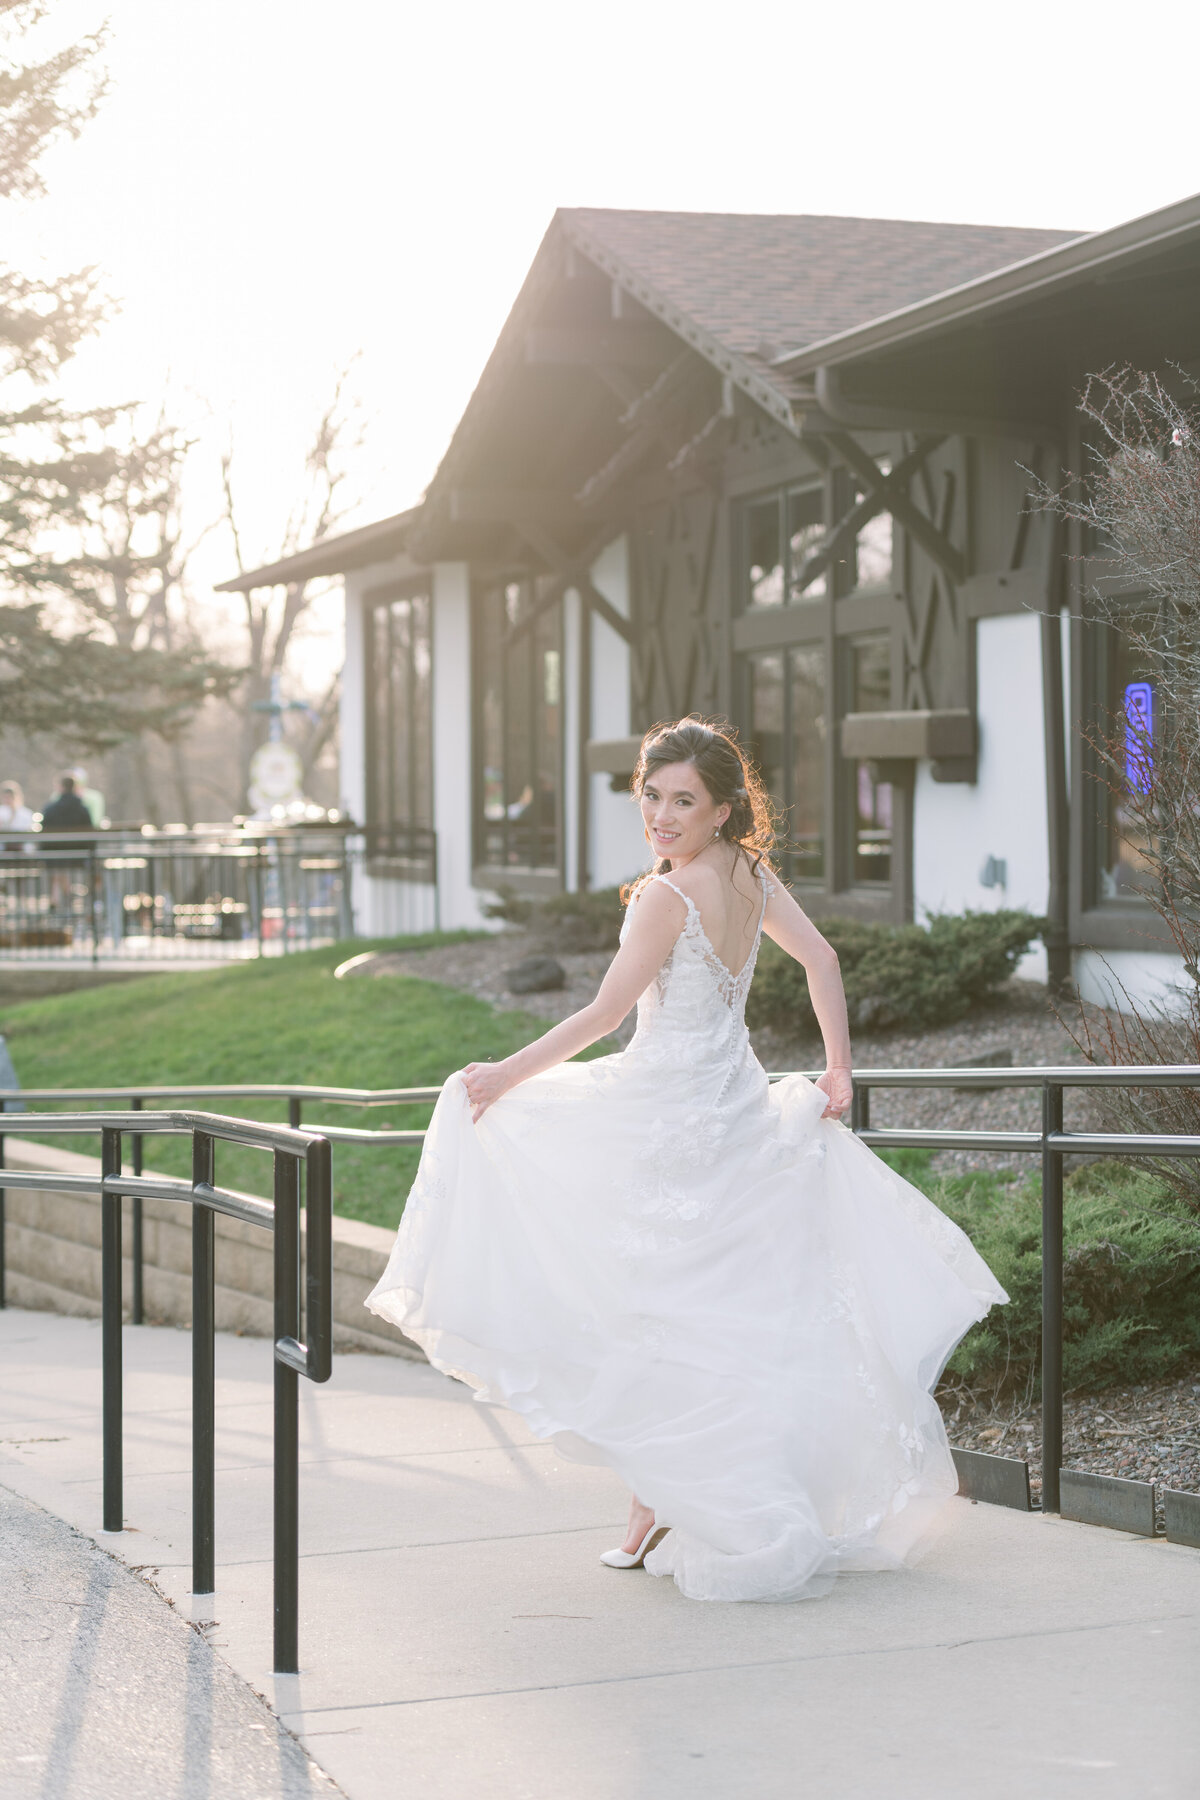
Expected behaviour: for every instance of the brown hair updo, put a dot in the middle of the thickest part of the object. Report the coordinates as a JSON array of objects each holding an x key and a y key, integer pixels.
[{"x": 722, "y": 765}]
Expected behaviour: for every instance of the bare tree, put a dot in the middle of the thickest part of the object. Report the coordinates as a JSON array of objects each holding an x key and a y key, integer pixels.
[
  {"x": 91, "y": 654},
  {"x": 274, "y": 614},
  {"x": 115, "y": 563},
  {"x": 43, "y": 101},
  {"x": 1139, "y": 502}
]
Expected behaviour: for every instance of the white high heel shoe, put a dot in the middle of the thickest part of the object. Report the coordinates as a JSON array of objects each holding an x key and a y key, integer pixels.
[{"x": 622, "y": 1559}]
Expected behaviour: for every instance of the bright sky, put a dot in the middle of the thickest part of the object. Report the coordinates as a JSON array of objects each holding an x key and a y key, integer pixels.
[{"x": 275, "y": 185}]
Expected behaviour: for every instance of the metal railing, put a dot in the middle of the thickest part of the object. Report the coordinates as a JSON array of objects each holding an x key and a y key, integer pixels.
[
  {"x": 292, "y": 1152},
  {"x": 1050, "y": 1142},
  {"x": 217, "y": 894},
  {"x": 136, "y": 1100}
]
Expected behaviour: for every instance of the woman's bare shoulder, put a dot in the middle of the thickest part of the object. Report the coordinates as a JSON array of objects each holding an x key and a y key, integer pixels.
[
  {"x": 657, "y": 897},
  {"x": 704, "y": 881},
  {"x": 700, "y": 881}
]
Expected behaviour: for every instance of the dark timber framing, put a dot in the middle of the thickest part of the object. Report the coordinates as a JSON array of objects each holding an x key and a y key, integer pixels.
[
  {"x": 635, "y": 393},
  {"x": 649, "y": 425}
]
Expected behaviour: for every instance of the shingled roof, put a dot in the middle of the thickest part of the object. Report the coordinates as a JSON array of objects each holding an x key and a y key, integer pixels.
[{"x": 764, "y": 284}]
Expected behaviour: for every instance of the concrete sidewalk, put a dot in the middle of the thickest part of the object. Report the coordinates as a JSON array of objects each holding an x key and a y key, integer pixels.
[
  {"x": 459, "y": 1637},
  {"x": 105, "y": 1691}
]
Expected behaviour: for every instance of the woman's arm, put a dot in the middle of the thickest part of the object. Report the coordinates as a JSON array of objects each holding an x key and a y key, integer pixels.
[
  {"x": 656, "y": 922},
  {"x": 795, "y": 932}
]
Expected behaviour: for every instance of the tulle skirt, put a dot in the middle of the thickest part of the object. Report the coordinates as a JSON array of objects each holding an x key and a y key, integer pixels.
[{"x": 745, "y": 1315}]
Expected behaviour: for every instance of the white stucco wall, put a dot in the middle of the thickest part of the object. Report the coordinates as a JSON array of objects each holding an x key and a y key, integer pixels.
[
  {"x": 459, "y": 901},
  {"x": 956, "y": 827},
  {"x": 572, "y": 637},
  {"x": 1114, "y": 977},
  {"x": 352, "y": 713},
  {"x": 617, "y": 848}
]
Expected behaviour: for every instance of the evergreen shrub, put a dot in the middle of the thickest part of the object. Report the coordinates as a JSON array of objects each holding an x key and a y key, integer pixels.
[
  {"x": 566, "y": 922},
  {"x": 1131, "y": 1277},
  {"x": 909, "y": 975}
]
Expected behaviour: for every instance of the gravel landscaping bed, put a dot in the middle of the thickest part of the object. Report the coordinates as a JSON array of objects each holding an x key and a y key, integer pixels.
[
  {"x": 1144, "y": 1433},
  {"x": 1020, "y": 1023}
]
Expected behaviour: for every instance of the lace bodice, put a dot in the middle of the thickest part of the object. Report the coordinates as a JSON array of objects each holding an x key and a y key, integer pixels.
[{"x": 694, "y": 991}]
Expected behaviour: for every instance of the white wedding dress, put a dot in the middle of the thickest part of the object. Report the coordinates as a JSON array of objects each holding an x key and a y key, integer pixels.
[{"x": 670, "y": 1266}]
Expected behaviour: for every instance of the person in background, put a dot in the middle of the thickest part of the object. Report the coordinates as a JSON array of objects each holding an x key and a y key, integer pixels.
[
  {"x": 67, "y": 812},
  {"x": 92, "y": 798},
  {"x": 14, "y": 813}
]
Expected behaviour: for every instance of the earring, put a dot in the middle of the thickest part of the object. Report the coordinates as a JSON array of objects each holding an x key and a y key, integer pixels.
[{"x": 716, "y": 831}]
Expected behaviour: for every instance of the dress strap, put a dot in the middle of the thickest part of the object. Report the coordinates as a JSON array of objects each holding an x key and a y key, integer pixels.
[
  {"x": 768, "y": 888},
  {"x": 693, "y": 909}
]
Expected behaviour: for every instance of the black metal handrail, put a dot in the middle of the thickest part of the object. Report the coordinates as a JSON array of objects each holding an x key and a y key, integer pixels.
[
  {"x": 1051, "y": 1142},
  {"x": 136, "y": 1098},
  {"x": 292, "y": 1150}
]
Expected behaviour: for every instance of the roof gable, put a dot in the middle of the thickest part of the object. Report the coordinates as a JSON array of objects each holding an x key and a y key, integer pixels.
[
  {"x": 741, "y": 289},
  {"x": 766, "y": 284}
]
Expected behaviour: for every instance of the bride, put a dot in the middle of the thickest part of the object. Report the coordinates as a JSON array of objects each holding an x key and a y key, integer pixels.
[{"x": 669, "y": 1266}]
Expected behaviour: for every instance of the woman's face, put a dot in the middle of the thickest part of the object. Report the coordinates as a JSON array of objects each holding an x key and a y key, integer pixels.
[{"x": 678, "y": 811}]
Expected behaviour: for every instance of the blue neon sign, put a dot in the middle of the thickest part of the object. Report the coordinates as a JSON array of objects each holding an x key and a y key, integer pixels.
[{"x": 1139, "y": 736}]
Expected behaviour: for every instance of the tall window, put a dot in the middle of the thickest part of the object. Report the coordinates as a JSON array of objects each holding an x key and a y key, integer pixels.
[
  {"x": 871, "y": 800},
  {"x": 779, "y": 535},
  {"x": 400, "y": 727},
  {"x": 787, "y": 739},
  {"x": 518, "y": 735},
  {"x": 814, "y": 639}
]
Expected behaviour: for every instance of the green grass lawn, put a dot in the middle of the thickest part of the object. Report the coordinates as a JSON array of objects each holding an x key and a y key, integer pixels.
[{"x": 281, "y": 1019}]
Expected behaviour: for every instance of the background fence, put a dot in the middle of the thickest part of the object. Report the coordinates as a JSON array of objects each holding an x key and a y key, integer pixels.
[{"x": 219, "y": 894}]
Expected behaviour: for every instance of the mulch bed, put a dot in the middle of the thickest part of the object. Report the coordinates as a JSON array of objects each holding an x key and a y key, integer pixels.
[{"x": 1149, "y": 1432}]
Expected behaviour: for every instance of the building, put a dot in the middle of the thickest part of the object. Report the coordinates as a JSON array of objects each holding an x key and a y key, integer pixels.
[{"x": 775, "y": 469}]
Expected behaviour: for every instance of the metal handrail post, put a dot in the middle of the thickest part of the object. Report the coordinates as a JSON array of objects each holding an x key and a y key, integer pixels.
[
  {"x": 318, "y": 1256},
  {"x": 203, "y": 1373},
  {"x": 92, "y": 903},
  {"x": 110, "y": 1331},
  {"x": 287, "y": 1417},
  {"x": 1052, "y": 1296},
  {"x": 294, "y": 1106},
  {"x": 258, "y": 891},
  {"x": 345, "y": 899},
  {"x": 860, "y": 1108},
  {"x": 138, "y": 1309}
]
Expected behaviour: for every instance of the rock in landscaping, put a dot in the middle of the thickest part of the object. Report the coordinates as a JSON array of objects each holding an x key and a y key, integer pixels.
[{"x": 535, "y": 975}]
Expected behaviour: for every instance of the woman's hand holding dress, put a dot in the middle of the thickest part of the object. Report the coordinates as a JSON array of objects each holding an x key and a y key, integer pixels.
[
  {"x": 653, "y": 929},
  {"x": 838, "y": 1089},
  {"x": 485, "y": 1082}
]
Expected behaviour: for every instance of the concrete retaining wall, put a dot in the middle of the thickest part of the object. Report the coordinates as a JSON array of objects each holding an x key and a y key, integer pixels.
[{"x": 53, "y": 1256}]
